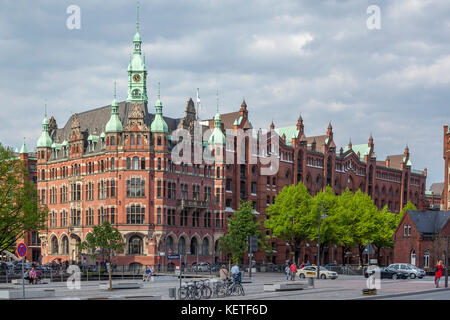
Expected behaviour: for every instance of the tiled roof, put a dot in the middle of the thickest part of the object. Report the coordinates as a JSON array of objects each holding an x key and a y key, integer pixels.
[
  {"x": 437, "y": 188},
  {"x": 429, "y": 222},
  {"x": 363, "y": 150},
  {"x": 228, "y": 120}
]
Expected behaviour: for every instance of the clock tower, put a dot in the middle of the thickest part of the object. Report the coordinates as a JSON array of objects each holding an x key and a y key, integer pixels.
[{"x": 137, "y": 71}]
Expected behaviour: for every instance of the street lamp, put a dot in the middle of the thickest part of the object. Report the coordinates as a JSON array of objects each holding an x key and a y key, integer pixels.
[{"x": 321, "y": 216}]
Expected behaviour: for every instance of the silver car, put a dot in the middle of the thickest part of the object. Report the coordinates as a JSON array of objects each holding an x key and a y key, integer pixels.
[{"x": 413, "y": 271}]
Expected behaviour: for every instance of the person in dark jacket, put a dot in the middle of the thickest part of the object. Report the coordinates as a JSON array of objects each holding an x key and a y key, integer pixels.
[{"x": 438, "y": 273}]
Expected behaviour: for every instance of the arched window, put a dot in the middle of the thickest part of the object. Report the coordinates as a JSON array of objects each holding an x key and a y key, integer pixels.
[
  {"x": 65, "y": 245},
  {"x": 135, "y": 163},
  {"x": 182, "y": 246},
  {"x": 413, "y": 257},
  {"x": 194, "y": 246},
  {"x": 169, "y": 244},
  {"x": 426, "y": 259},
  {"x": 205, "y": 247},
  {"x": 55, "y": 248},
  {"x": 135, "y": 245}
]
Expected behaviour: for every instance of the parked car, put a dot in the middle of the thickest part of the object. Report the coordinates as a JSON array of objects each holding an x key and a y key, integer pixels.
[
  {"x": 412, "y": 271},
  {"x": 311, "y": 271},
  {"x": 386, "y": 273}
]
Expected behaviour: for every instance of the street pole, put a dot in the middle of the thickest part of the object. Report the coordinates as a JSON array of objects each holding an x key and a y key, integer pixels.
[
  {"x": 250, "y": 265},
  {"x": 23, "y": 279},
  {"x": 318, "y": 247},
  {"x": 181, "y": 272},
  {"x": 446, "y": 265}
]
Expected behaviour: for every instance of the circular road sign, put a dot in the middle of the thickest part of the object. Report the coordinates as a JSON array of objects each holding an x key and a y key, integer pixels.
[{"x": 21, "y": 250}]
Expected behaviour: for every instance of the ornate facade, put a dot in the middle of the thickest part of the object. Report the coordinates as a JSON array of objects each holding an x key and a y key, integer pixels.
[{"x": 115, "y": 164}]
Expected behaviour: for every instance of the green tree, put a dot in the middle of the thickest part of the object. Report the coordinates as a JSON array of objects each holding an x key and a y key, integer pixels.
[
  {"x": 20, "y": 209},
  {"x": 385, "y": 225},
  {"x": 241, "y": 225},
  {"x": 288, "y": 216},
  {"x": 325, "y": 202},
  {"x": 105, "y": 239},
  {"x": 365, "y": 218},
  {"x": 408, "y": 206},
  {"x": 346, "y": 218}
]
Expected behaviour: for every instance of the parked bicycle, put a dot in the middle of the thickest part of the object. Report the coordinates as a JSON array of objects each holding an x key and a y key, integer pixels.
[{"x": 195, "y": 290}]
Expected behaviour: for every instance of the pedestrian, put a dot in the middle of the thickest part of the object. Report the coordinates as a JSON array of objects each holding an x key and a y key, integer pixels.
[
  {"x": 438, "y": 273},
  {"x": 32, "y": 276},
  {"x": 223, "y": 274},
  {"x": 287, "y": 271},
  {"x": 236, "y": 274},
  {"x": 147, "y": 274},
  {"x": 308, "y": 263},
  {"x": 302, "y": 265},
  {"x": 293, "y": 271}
]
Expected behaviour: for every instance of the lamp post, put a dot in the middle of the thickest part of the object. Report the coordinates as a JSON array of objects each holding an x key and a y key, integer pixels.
[
  {"x": 321, "y": 216},
  {"x": 446, "y": 264}
]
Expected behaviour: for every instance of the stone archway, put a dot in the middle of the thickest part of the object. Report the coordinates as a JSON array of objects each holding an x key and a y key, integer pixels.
[{"x": 74, "y": 251}]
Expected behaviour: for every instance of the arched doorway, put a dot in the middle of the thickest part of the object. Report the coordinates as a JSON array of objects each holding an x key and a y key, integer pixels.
[
  {"x": 75, "y": 251},
  {"x": 205, "y": 247},
  {"x": 194, "y": 246}
]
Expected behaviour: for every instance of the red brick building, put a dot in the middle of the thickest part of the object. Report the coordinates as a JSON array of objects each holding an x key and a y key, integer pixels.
[
  {"x": 420, "y": 238},
  {"x": 116, "y": 163}
]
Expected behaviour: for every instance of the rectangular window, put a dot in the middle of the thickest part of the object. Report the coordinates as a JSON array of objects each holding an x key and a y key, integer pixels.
[{"x": 158, "y": 215}]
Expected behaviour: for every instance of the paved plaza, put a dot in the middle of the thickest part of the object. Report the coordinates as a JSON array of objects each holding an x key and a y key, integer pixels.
[{"x": 343, "y": 288}]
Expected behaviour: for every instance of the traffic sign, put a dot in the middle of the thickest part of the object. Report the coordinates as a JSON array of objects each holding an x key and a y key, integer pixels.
[
  {"x": 22, "y": 250},
  {"x": 369, "y": 248},
  {"x": 173, "y": 256},
  {"x": 177, "y": 269}
]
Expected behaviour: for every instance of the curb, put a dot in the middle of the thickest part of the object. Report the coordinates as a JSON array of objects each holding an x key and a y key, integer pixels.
[{"x": 401, "y": 294}]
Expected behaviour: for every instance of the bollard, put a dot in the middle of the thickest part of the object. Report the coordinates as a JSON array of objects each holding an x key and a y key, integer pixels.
[
  {"x": 172, "y": 293},
  {"x": 311, "y": 282}
]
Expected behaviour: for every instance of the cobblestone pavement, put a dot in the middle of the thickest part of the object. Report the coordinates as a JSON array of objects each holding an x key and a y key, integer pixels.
[{"x": 343, "y": 288}]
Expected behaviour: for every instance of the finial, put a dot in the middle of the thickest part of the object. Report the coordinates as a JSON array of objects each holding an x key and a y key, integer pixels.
[
  {"x": 114, "y": 89},
  {"x": 45, "y": 108},
  {"x": 137, "y": 17},
  {"x": 159, "y": 90},
  {"x": 217, "y": 100}
]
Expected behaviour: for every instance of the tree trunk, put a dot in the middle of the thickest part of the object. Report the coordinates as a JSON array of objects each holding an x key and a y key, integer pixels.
[
  {"x": 361, "y": 250},
  {"x": 109, "y": 274}
]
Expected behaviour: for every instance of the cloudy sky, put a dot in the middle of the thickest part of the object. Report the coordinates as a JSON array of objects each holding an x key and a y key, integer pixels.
[{"x": 286, "y": 57}]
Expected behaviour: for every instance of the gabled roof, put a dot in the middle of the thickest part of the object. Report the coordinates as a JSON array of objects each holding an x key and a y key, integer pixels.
[
  {"x": 228, "y": 120},
  {"x": 437, "y": 188},
  {"x": 363, "y": 150},
  {"x": 428, "y": 221}
]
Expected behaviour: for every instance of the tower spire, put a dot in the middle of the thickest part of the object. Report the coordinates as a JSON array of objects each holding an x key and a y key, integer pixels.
[
  {"x": 137, "y": 17},
  {"x": 217, "y": 109}
]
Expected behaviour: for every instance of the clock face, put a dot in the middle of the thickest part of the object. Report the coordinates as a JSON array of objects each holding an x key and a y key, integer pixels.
[{"x": 136, "y": 78}]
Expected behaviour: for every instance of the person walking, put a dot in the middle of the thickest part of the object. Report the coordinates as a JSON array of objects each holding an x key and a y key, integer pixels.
[
  {"x": 438, "y": 273},
  {"x": 223, "y": 274},
  {"x": 308, "y": 263},
  {"x": 287, "y": 270},
  {"x": 293, "y": 271},
  {"x": 302, "y": 265}
]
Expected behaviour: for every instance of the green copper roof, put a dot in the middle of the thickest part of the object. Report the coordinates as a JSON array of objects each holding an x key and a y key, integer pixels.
[
  {"x": 290, "y": 132},
  {"x": 158, "y": 123},
  {"x": 24, "y": 147},
  {"x": 64, "y": 144},
  {"x": 114, "y": 124},
  {"x": 363, "y": 150},
  {"x": 217, "y": 136},
  {"x": 408, "y": 163}
]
